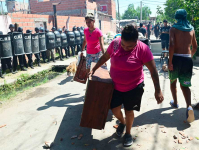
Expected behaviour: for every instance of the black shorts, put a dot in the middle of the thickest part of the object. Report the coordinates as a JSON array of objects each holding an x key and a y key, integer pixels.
[
  {"x": 131, "y": 99},
  {"x": 165, "y": 44}
]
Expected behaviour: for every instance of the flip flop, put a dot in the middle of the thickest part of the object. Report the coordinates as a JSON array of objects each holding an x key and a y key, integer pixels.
[
  {"x": 190, "y": 114},
  {"x": 174, "y": 105}
]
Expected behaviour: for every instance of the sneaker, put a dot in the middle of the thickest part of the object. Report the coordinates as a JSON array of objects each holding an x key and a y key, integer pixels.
[
  {"x": 23, "y": 69},
  {"x": 176, "y": 106},
  {"x": 120, "y": 129},
  {"x": 39, "y": 65},
  {"x": 128, "y": 140},
  {"x": 32, "y": 67},
  {"x": 190, "y": 114}
]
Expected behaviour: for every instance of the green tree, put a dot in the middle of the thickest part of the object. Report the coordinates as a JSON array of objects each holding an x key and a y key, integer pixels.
[{"x": 132, "y": 13}]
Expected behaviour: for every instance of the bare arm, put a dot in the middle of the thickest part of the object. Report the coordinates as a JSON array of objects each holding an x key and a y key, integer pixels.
[
  {"x": 154, "y": 74},
  {"x": 171, "y": 48},
  {"x": 194, "y": 45},
  {"x": 84, "y": 43},
  {"x": 102, "y": 43},
  {"x": 101, "y": 61}
]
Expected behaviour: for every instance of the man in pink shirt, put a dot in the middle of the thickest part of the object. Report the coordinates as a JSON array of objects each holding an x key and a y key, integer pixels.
[
  {"x": 128, "y": 55},
  {"x": 93, "y": 37}
]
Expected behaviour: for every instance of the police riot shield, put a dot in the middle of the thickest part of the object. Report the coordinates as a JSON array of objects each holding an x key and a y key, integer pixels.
[
  {"x": 64, "y": 42},
  {"x": 82, "y": 35},
  {"x": 77, "y": 38},
  {"x": 57, "y": 39},
  {"x": 5, "y": 46},
  {"x": 27, "y": 43},
  {"x": 35, "y": 43},
  {"x": 18, "y": 43},
  {"x": 42, "y": 42},
  {"x": 50, "y": 40},
  {"x": 71, "y": 38}
]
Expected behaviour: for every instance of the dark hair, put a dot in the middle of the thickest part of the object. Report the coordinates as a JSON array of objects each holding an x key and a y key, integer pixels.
[
  {"x": 130, "y": 33},
  {"x": 165, "y": 20},
  {"x": 90, "y": 16},
  {"x": 141, "y": 24}
]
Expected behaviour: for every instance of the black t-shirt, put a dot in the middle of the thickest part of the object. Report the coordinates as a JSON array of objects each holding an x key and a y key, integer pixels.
[
  {"x": 142, "y": 30},
  {"x": 165, "y": 36},
  {"x": 148, "y": 28}
]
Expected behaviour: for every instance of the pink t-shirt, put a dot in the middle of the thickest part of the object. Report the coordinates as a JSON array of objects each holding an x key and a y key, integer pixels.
[
  {"x": 127, "y": 67},
  {"x": 92, "y": 39}
]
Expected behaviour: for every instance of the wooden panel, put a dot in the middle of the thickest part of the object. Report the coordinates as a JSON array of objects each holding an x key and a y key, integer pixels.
[
  {"x": 97, "y": 101},
  {"x": 81, "y": 74}
]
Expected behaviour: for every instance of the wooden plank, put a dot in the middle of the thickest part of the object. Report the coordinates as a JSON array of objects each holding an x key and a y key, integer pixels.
[
  {"x": 97, "y": 101},
  {"x": 81, "y": 74}
]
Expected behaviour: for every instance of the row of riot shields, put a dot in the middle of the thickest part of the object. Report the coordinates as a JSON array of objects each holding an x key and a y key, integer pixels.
[{"x": 34, "y": 43}]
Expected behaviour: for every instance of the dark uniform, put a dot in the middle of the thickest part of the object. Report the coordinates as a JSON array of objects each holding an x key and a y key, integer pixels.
[
  {"x": 37, "y": 55},
  {"x": 50, "y": 52},
  {"x": 20, "y": 57},
  {"x": 1, "y": 75},
  {"x": 58, "y": 49},
  {"x": 149, "y": 30},
  {"x": 65, "y": 48},
  {"x": 30, "y": 61},
  {"x": 43, "y": 54}
]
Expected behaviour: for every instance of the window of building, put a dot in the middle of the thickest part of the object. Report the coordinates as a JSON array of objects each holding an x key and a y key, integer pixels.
[{"x": 40, "y": 0}]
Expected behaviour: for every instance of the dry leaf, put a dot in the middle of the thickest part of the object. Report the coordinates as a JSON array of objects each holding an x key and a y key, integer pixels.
[
  {"x": 48, "y": 144},
  {"x": 185, "y": 121},
  {"x": 181, "y": 133},
  {"x": 80, "y": 136},
  {"x": 163, "y": 131},
  {"x": 139, "y": 145},
  {"x": 74, "y": 136},
  {"x": 190, "y": 138},
  {"x": 175, "y": 141},
  {"x": 86, "y": 144},
  {"x": 72, "y": 143},
  {"x": 175, "y": 137},
  {"x": 115, "y": 126},
  {"x": 179, "y": 141},
  {"x": 161, "y": 126},
  {"x": 3, "y": 126}
]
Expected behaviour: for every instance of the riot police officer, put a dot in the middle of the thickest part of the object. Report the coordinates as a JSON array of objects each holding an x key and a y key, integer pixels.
[
  {"x": 20, "y": 57},
  {"x": 43, "y": 54},
  {"x": 30, "y": 61},
  {"x": 6, "y": 63},
  {"x": 50, "y": 52},
  {"x": 58, "y": 49},
  {"x": 63, "y": 47},
  {"x": 37, "y": 55}
]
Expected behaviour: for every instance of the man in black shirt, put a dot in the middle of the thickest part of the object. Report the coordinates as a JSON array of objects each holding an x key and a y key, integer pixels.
[
  {"x": 142, "y": 30},
  {"x": 156, "y": 30},
  {"x": 165, "y": 35},
  {"x": 149, "y": 30}
]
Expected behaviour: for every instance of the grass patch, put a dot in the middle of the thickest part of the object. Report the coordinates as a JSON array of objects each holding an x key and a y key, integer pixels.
[{"x": 25, "y": 82}]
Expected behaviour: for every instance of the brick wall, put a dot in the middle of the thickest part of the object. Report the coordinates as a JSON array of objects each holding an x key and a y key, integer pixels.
[{"x": 28, "y": 21}]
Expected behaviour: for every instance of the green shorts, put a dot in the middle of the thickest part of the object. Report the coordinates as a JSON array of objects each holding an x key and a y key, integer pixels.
[{"x": 182, "y": 70}]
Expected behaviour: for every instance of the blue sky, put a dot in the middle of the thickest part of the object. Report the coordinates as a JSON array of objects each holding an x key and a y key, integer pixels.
[{"x": 152, "y": 4}]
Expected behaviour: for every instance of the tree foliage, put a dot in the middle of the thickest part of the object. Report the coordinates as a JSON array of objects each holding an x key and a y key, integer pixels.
[{"x": 132, "y": 13}]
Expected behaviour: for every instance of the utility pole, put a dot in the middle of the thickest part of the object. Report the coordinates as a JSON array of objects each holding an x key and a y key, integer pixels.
[
  {"x": 55, "y": 13},
  {"x": 140, "y": 11},
  {"x": 118, "y": 12}
]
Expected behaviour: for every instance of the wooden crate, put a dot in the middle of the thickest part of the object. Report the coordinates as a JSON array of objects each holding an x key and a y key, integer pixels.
[
  {"x": 97, "y": 99},
  {"x": 81, "y": 74}
]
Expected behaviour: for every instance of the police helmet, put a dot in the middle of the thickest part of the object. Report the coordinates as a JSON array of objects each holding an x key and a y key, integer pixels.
[
  {"x": 78, "y": 28},
  {"x": 74, "y": 28},
  {"x": 46, "y": 30},
  {"x": 11, "y": 26},
  {"x": 28, "y": 31},
  {"x": 1, "y": 33},
  {"x": 20, "y": 29},
  {"x": 60, "y": 30},
  {"x": 36, "y": 29},
  {"x": 53, "y": 28},
  {"x": 41, "y": 29}
]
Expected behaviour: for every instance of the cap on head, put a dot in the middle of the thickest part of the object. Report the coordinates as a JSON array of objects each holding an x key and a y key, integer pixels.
[
  {"x": 90, "y": 16},
  {"x": 11, "y": 26},
  {"x": 181, "y": 14},
  {"x": 20, "y": 29},
  {"x": 28, "y": 31}
]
